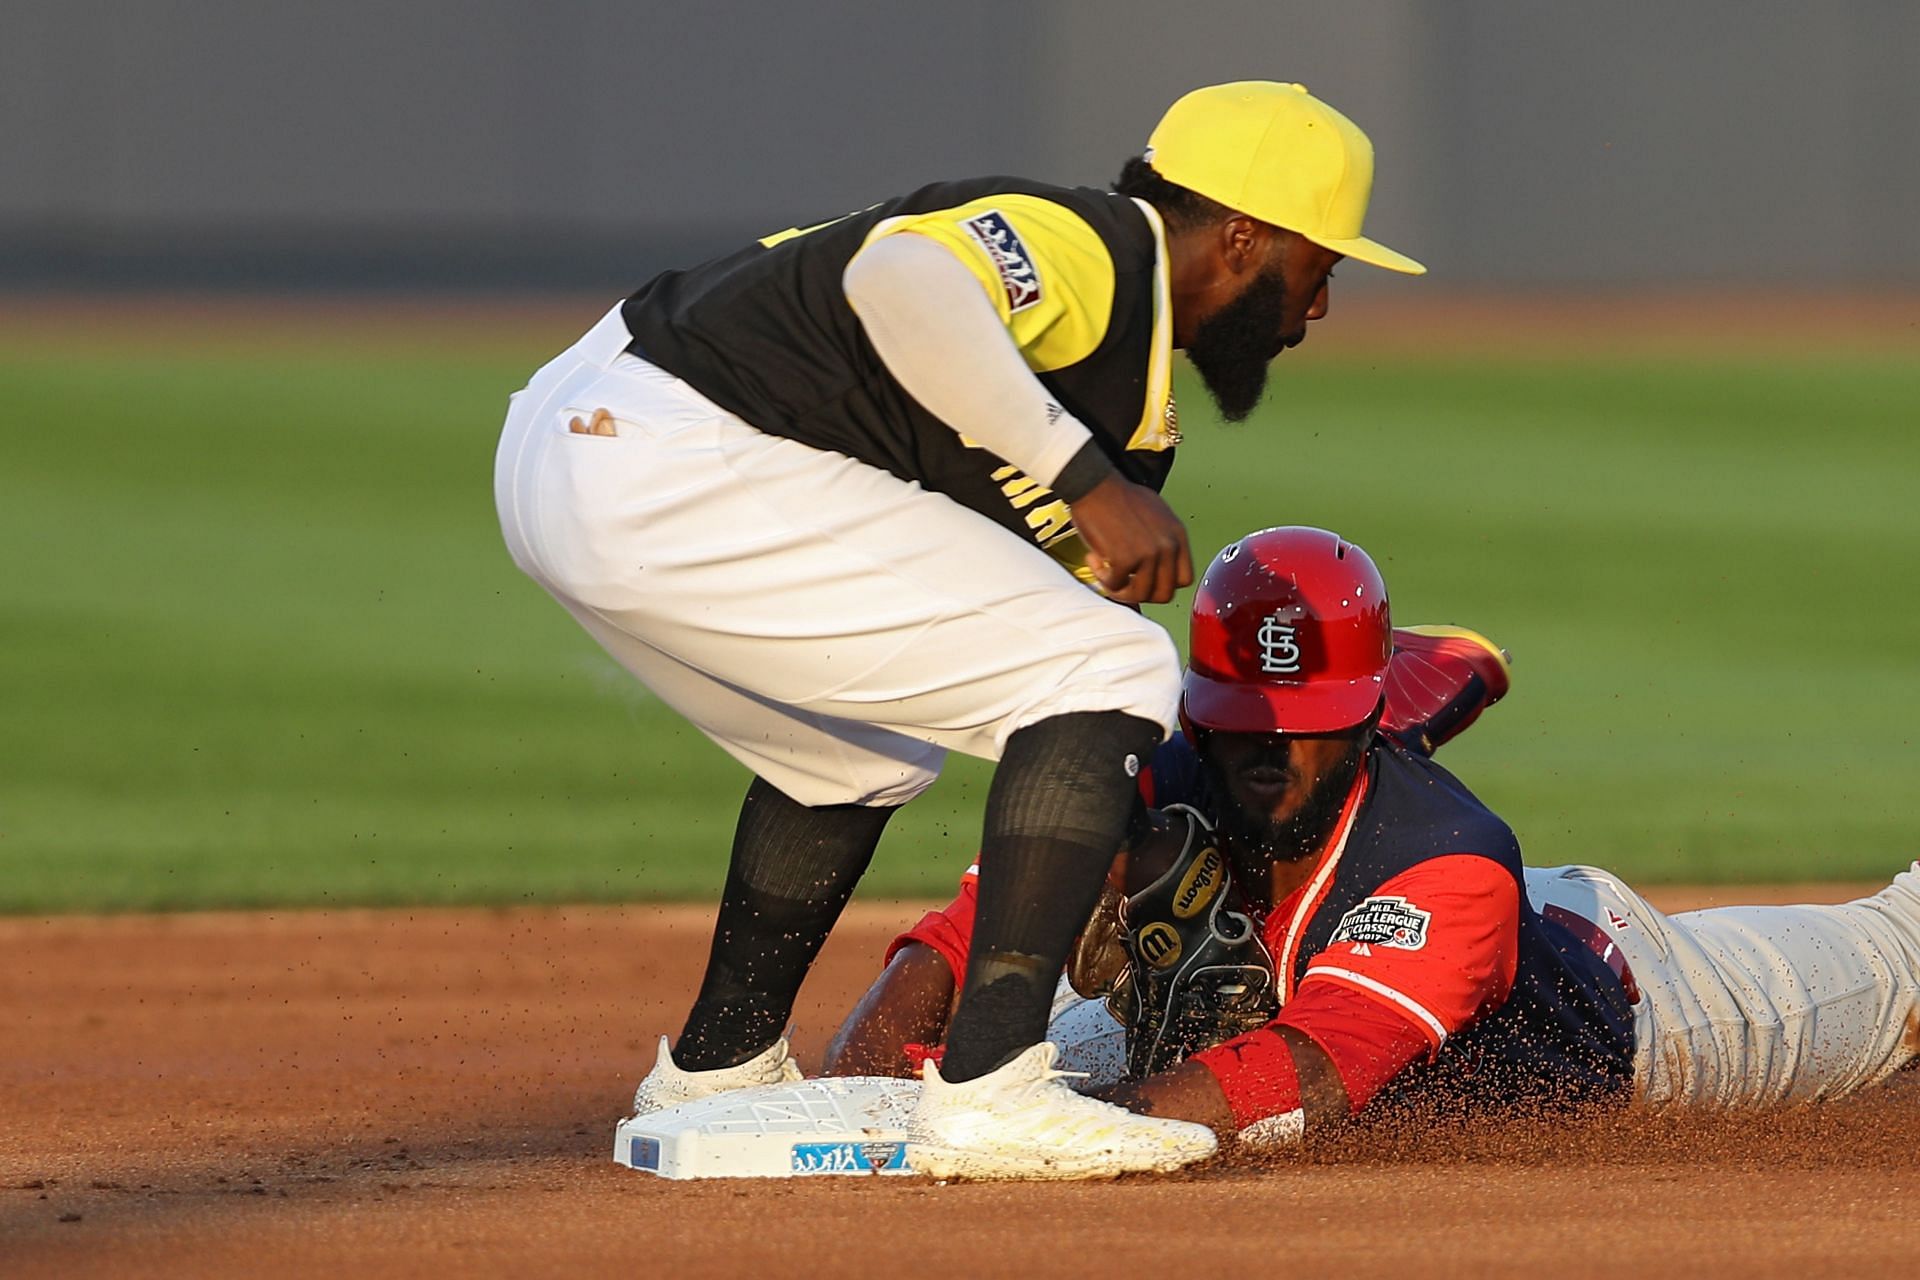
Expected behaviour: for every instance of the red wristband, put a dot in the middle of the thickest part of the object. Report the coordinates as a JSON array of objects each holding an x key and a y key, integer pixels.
[
  {"x": 919, "y": 1054},
  {"x": 1257, "y": 1074}
]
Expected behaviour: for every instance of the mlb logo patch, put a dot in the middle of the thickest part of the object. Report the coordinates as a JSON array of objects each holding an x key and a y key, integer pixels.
[
  {"x": 1018, "y": 276},
  {"x": 1385, "y": 922}
]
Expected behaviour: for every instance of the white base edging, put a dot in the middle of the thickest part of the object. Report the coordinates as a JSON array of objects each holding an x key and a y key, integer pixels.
[{"x": 842, "y": 1125}]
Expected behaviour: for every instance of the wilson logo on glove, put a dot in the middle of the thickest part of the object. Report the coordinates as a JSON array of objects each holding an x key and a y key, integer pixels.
[
  {"x": 1197, "y": 887},
  {"x": 1159, "y": 944}
]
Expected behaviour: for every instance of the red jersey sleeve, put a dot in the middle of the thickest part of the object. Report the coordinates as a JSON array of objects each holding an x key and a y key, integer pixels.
[
  {"x": 948, "y": 930},
  {"x": 1425, "y": 955},
  {"x": 1440, "y": 942}
]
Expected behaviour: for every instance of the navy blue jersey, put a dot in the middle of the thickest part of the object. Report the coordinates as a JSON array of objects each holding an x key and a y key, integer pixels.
[{"x": 1378, "y": 917}]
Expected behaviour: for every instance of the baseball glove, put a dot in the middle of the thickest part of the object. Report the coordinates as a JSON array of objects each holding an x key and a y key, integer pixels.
[
  {"x": 1097, "y": 965},
  {"x": 1197, "y": 971}
]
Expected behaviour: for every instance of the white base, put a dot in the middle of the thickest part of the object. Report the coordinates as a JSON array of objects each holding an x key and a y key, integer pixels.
[{"x": 837, "y": 1125}]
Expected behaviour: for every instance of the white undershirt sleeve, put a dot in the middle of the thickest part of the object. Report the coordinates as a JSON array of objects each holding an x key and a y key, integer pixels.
[{"x": 939, "y": 335}]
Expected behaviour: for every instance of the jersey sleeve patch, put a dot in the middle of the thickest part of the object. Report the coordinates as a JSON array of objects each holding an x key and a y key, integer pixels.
[
  {"x": 1019, "y": 276},
  {"x": 1440, "y": 942},
  {"x": 1385, "y": 922},
  {"x": 1045, "y": 269}
]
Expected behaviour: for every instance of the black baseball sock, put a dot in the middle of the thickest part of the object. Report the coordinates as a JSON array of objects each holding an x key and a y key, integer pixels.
[
  {"x": 792, "y": 872},
  {"x": 1056, "y": 814}
]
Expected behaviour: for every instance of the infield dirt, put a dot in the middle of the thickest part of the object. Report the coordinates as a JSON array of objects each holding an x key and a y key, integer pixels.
[
  {"x": 1372, "y": 322},
  {"x": 412, "y": 1092}
]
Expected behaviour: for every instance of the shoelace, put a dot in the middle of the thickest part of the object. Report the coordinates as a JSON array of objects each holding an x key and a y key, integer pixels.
[
  {"x": 1047, "y": 1076},
  {"x": 1081, "y": 1114}
]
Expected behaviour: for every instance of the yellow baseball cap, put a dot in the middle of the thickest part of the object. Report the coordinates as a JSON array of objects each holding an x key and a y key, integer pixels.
[{"x": 1279, "y": 154}]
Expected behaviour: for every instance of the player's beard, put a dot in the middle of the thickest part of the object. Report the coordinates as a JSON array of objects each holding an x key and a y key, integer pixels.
[
  {"x": 1234, "y": 346},
  {"x": 1256, "y": 840}
]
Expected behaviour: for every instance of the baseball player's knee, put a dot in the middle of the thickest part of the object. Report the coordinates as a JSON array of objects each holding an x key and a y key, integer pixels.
[
  {"x": 1153, "y": 650},
  {"x": 1161, "y": 681},
  {"x": 843, "y": 776},
  {"x": 894, "y": 791},
  {"x": 1136, "y": 671}
]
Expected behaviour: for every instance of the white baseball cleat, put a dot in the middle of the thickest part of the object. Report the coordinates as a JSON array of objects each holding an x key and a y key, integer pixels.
[
  {"x": 667, "y": 1085},
  {"x": 1022, "y": 1121}
]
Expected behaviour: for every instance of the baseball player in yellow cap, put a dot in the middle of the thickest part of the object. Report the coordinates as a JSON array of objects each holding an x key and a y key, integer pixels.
[{"x": 833, "y": 498}]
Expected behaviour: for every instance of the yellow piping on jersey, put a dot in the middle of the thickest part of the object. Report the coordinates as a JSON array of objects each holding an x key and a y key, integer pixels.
[
  {"x": 1155, "y": 432},
  {"x": 794, "y": 233}
]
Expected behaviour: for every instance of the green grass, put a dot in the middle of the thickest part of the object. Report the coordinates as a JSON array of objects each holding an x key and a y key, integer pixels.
[{"x": 262, "y": 645}]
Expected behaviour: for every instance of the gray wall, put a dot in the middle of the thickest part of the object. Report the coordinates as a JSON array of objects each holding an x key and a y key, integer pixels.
[{"x": 578, "y": 142}]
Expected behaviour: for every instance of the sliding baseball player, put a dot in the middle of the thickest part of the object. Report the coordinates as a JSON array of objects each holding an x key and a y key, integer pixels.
[{"x": 1321, "y": 923}]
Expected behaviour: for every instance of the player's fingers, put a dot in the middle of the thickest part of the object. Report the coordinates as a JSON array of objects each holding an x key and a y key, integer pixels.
[
  {"x": 1152, "y": 579},
  {"x": 1167, "y": 580},
  {"x": 1111, "y": 576},
  {"x": 1124, "y": 583},
  {"x": 1145, "y": 584},
  {"x": 1133, "y": 581},
  {"x": 1183, "y": 572}
]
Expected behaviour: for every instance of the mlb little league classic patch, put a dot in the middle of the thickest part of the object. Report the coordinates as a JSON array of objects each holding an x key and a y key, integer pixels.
[
  {"x": 1018, "y": 276},
  {"x": 1385, "y": 922}
]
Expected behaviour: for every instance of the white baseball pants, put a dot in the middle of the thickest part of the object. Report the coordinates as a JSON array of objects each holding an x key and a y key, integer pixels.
[
  {"x": 834, "y": 628},
  {"x": 1748, "y": 1006}
]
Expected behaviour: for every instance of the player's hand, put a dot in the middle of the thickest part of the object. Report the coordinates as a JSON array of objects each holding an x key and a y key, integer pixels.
[
  {"x": 910, "y": 1001},
  {"x": 1137, "y": 547},
  {"x": 1188, "y": 1092}
]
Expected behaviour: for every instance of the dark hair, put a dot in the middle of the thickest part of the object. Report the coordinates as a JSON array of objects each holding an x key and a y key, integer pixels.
[{"x": 1180, "y": 207}]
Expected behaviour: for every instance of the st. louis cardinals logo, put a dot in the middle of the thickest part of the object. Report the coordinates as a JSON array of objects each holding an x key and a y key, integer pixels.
[
  {"x": 1018, "y": 276},
  {"x": 1279, "y": 649}
]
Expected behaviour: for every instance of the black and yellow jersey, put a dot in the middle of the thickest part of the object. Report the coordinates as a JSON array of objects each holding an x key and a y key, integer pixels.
[{"x": 1078, "y": 276}]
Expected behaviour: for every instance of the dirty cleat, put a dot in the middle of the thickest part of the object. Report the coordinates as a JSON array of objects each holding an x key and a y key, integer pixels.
[
  {"x": 1022, "y": 1121},
  {"x": 1439, "y": 681},
  {"x": 667, "y": 1085}
]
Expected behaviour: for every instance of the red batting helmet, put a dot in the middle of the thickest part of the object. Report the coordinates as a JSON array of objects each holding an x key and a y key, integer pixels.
[{"x": 1291, "y": 634}]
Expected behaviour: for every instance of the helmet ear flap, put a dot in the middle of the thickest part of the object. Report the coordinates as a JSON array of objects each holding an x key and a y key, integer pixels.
[
  {"x": 1372, "y": 722},
  {"x": 1197, "y": 734}
]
